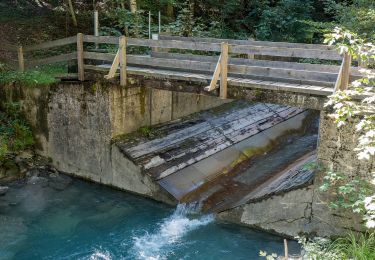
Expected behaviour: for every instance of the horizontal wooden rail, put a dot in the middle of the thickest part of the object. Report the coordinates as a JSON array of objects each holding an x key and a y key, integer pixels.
[
  {"x": 248, "y": 42},
  {"x": 53, "y": 59},
  {"x": 99, "y": 56},
  {"x": 8, "y": 47},
  {"x": 285, "y": 52},
  {"x": 51, "y": 44},
  {"x": 318, "y": 77},
  {"x": 254, "y": 62},
  {"x": 101, "y": 39}
]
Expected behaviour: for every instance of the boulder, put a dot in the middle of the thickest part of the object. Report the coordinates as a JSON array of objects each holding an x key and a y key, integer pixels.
[{"x": 3, "y": 190}]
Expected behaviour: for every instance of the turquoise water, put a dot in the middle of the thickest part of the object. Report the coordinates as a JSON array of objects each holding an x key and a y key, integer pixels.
[{"x": 87, "y": 221}]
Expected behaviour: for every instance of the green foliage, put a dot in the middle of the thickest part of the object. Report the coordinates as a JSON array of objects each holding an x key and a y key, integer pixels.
[
  {"x": 286, "y": 22},
  {"x": 352, "y": 246},
  {"x": 355, "y": 192},
  {"x": 15, "y": 134},
  {"x": 349, "y": 192},
  {"x": 43, "y": 76},
  {"x": 357, "y": 17}
]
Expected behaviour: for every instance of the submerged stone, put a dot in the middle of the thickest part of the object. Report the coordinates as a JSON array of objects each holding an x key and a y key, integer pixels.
[{"x": 3, "y": 190}]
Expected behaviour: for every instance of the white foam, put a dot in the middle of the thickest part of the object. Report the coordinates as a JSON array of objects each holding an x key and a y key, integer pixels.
[
  {"x": 157, "y": 245},
  {"x": 101, "y": 255}
]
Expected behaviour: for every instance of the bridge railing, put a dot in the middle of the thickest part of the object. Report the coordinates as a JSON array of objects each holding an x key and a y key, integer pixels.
[{"x": 216, "y": 57}]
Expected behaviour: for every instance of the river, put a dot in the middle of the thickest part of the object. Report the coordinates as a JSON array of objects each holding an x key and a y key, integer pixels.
[{"x": 81, "y": 220}]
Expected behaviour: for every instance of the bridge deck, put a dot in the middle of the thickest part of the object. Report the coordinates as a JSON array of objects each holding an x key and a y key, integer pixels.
[{"x": 161, "y": 73}]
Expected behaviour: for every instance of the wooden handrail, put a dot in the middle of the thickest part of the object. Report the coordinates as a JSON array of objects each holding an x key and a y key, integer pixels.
[
  {"x": 248, "y": 42},
  {"x": 51, "y": 44}
]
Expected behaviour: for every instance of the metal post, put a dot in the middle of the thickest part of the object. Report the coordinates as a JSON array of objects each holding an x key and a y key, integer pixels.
[
  {"x": 149, "y": 24},
  {"x": 96, "y": 26},
  {"x": 159, "y": 22}
]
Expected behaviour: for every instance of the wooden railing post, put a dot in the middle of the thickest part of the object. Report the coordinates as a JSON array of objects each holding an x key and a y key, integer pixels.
[
  {"x": 122, "y": 57},
  {"x": 80, "y": 58},
  {"x": 224, "y": 70},
  {"x": 21, "y": 62},
  {"x": 347, "y": 61}
]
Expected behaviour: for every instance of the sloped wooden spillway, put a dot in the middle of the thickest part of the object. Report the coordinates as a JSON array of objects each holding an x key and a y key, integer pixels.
[{"x": 184, "y": 155}]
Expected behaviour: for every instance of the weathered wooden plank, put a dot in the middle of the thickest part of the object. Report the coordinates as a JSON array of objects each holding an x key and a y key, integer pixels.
[
  {"x": 51, "y": 44},
  {"x": 122, "y": 60},
  {"x": 53, "y": 59},
  {"x": 347, "y": 60},
  {"x": 339, "y": 77},
  {"x": 283, "y": 73},
  {"x": 215, "y": 76},
  {"x": 97, "y": 68},
  {"x": 80, "y": 57},
  {"x": 224, "y": 71},
  {"x": 260, "y": 63},
  {"x": 165, "y": 156},
  {"x": 101, "y": 39},
  {"x": 99, "y": 56},
  {"x": 175, "y": 44},
  {"x": 114, "y": 66},
  {"x": 285, "y": 52},
  {"x": 8, "y": 47},
  {"x": 310, "y": 77},
  {"x": 248, "y": 42},
  {"x": 171, "y": 63}
]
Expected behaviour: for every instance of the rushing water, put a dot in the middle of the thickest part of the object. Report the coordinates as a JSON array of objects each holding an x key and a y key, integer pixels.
[{"x": 87, "y": 221}]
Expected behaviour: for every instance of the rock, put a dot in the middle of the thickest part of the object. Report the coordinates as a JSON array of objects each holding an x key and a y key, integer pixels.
[
  {"x": 3, "y": 190},
  {"x": 59, "y": 181},
  {"x": 35, "y": 180}
]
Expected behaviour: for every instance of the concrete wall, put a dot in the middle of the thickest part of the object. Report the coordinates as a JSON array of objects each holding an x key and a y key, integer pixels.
[
  {"x": 294, "y": 213},
  {"x": 306, "y": 210},
  {"x": 75, "y": 123}
]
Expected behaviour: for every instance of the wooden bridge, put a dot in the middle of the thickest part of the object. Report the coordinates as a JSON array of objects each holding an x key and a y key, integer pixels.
[{"x": 292, "y": 67}]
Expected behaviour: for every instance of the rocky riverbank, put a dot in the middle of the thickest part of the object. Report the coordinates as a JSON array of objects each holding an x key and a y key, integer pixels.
[{"x": 27, "y": 168}]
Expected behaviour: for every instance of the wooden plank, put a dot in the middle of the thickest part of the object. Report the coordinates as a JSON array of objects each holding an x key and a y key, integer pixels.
[
  {"x": 114, "y": 66},
  {"x": 21, "y": 62},
  {"x": 80, "y": 58},
  {"x": 8, "y": 47},
  {"x": 283, "y": 73},
  {"x": 175, "y": 44},
  {"x": 51, "y": 44},
  {"x": 285, "y": 52},
  {"x": 249, "y": 42},
  {"x": 347, "y": 60},
  {"x": 261, "y": 63},
  {"x": 122, "y": 59},
  {"x": 312, "y": 76},
  {"x": 171, "y": 63},
  {"x": 99, "y": 56},
  {"x": 224, "y": 71},
  {"x": 101, "y": 39},
  {"x": 54, "y": 59}
]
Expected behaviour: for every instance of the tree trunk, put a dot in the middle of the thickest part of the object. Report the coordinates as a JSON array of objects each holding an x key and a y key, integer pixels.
[
  {"x": 133, "y": 6},
  {"x": 72, "y": 13},
  {"x": 170, "y": 10}
]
